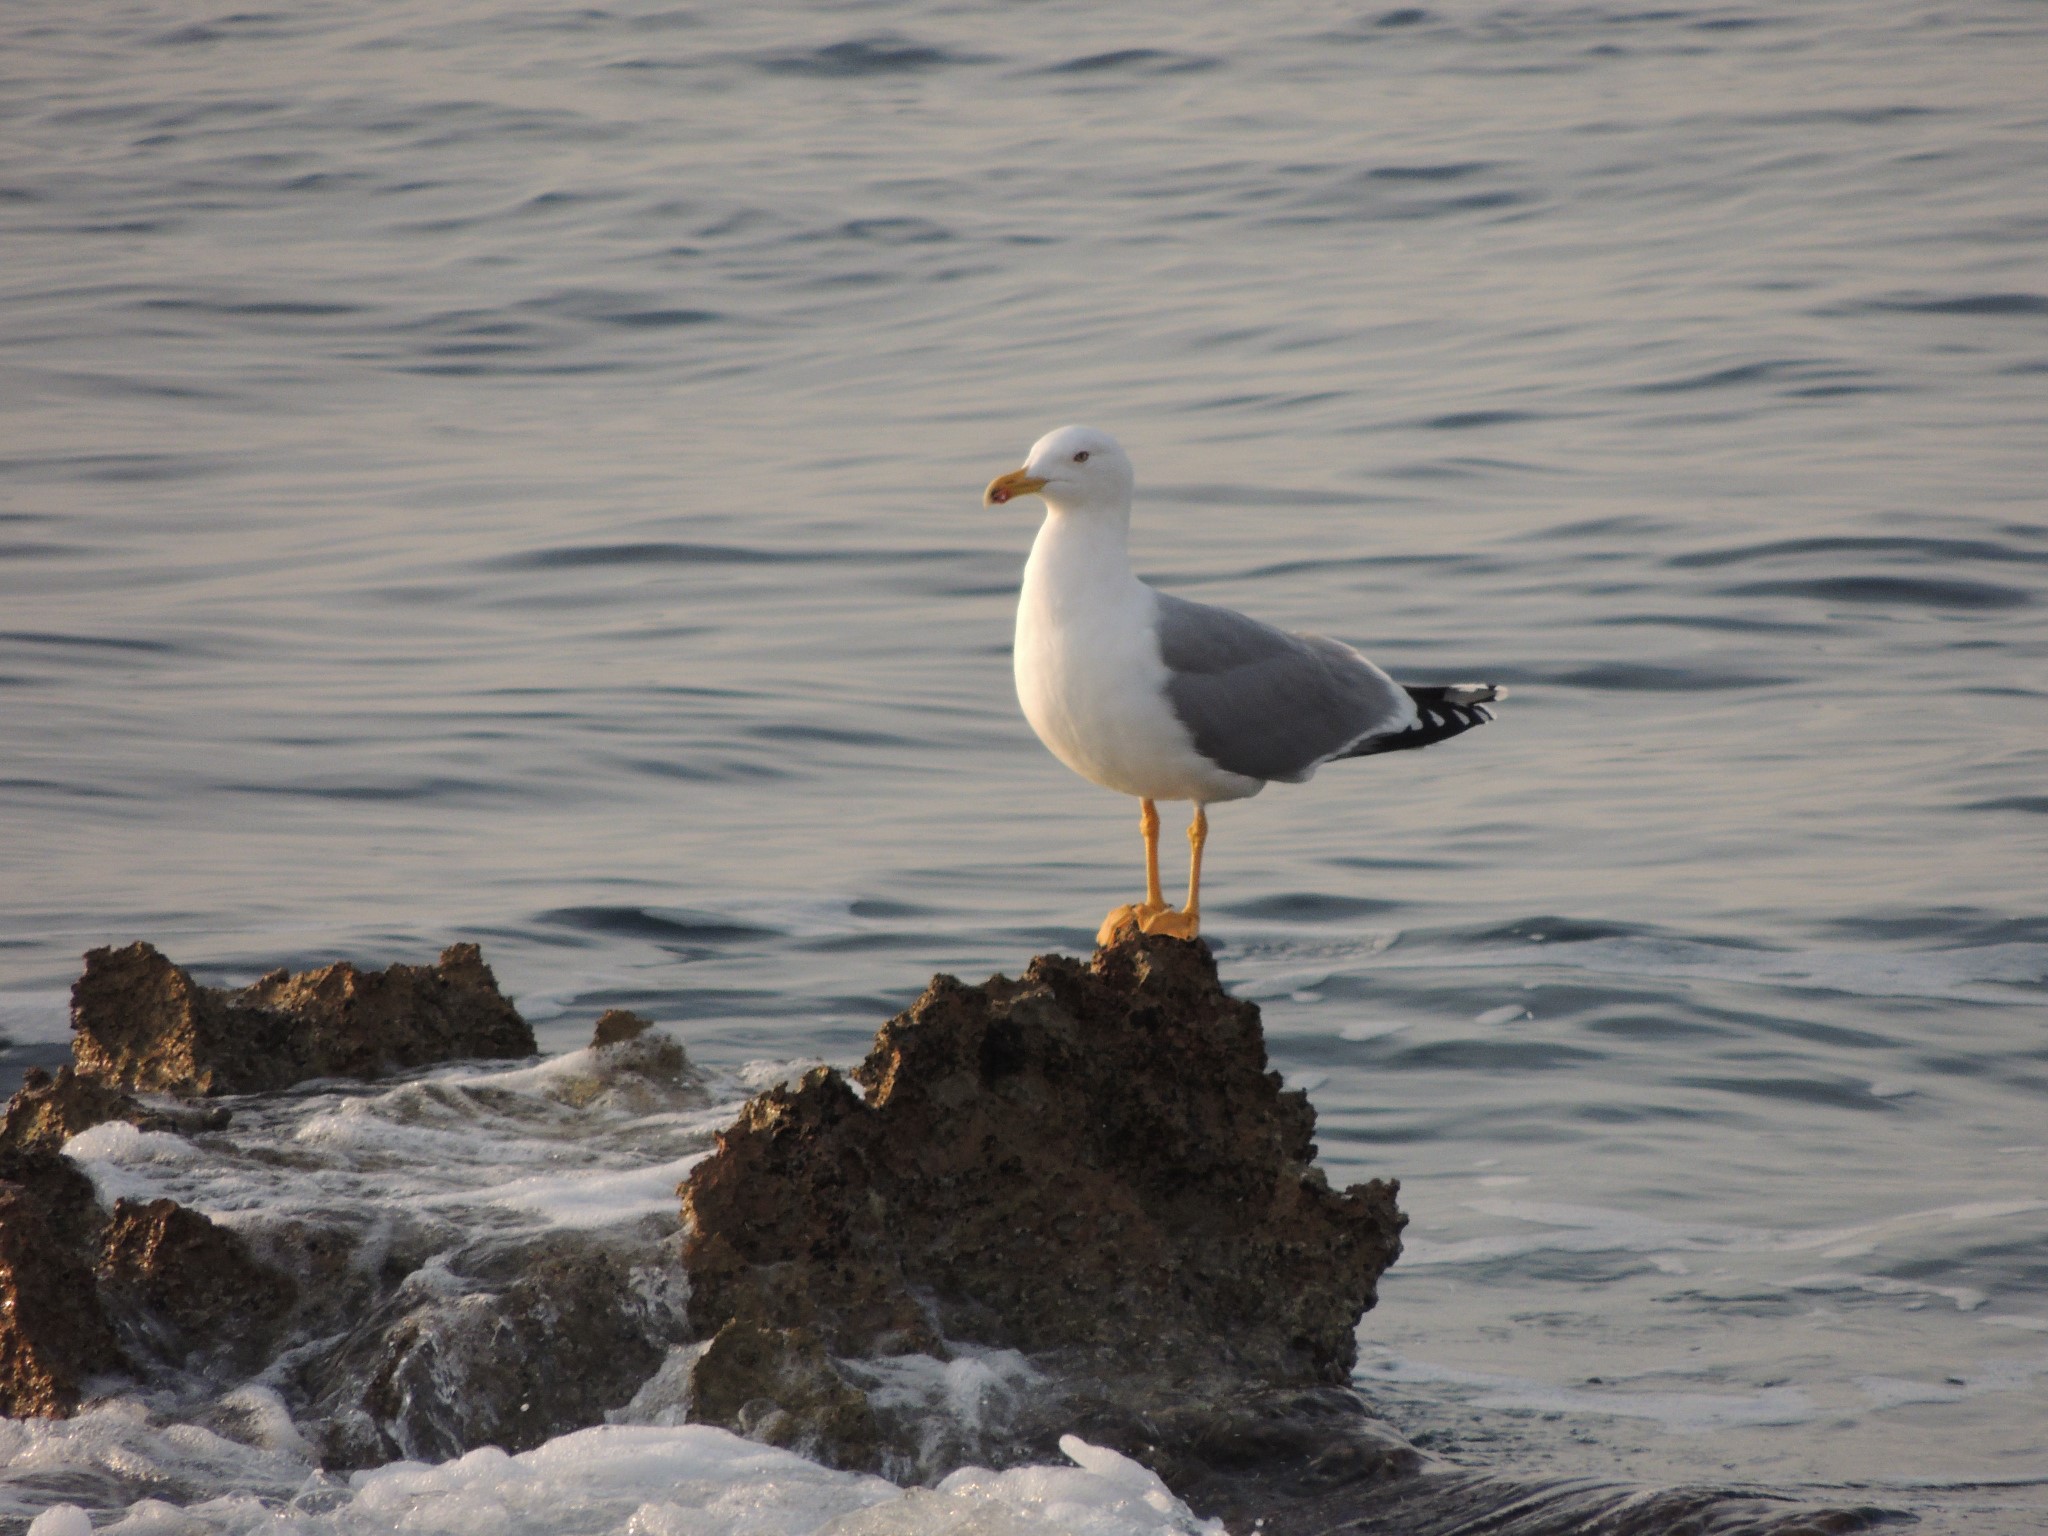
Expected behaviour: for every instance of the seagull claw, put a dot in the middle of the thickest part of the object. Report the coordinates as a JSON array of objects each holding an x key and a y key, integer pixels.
[
  {"x": 1127, "y": 922},
  {"x": 1175, "y": 925}
]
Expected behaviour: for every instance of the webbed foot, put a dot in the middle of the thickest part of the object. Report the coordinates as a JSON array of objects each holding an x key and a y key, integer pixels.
[
  {"x": 1128, "y": 920},
  {"x": 1175, "y": 925}
]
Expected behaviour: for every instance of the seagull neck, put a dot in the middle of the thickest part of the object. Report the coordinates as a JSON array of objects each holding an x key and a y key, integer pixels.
[{"x": 1082, "y": 554}]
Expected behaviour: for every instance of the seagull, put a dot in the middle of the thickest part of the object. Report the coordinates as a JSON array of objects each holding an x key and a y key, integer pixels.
[{"x": 1154, "y": 696}]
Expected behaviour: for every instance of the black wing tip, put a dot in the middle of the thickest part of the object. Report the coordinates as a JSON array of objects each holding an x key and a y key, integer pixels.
[{"x": 1441, "y": 713}]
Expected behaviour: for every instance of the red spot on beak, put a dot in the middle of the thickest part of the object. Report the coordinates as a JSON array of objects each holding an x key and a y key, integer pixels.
[{"x": 998, "y": 496}]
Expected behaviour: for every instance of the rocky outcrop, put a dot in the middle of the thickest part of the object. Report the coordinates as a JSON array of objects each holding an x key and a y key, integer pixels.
[
  {"x": 140, "y": 1022},
  {"x": 1089, "y": 1165},
  {"x": 49, "y": 1111},
  {"x": 155, "y": 1287},
  {"x": 151, "y": 1287},
  {"x": 54, "y": 1335},
  {"x": 1072, "y": 1202}
]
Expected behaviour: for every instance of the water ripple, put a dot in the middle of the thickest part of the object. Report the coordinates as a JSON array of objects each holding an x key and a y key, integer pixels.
[
  {"x": 1893, "y": 591},
  {"x": 884, "y": 53}
]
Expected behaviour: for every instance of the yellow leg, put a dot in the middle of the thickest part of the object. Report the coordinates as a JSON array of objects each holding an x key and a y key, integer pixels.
[
  {"x": 1148, "y": 823},
  {"x": 1187, "y": 922},
  {"x": 1129, "y": 919}
]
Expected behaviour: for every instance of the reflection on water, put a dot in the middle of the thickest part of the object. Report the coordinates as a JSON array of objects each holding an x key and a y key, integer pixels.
[{"x": 512, "y": 473}]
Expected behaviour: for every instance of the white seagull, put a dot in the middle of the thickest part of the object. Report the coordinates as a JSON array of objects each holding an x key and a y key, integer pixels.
[{"x": 1164, "y": 699}]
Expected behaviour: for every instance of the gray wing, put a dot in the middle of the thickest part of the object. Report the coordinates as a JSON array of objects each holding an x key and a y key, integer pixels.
[{"x": 1264, "y": 703}]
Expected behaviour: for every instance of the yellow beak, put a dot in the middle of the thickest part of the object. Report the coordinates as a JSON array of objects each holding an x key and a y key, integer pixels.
[{"x": 1015, "y": 483}]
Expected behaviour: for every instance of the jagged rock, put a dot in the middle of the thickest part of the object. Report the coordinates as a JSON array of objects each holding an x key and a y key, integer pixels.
[
  {"x": 1090, "y": 1165},
  {"x": 617, "y": 1025},
  {"x": 48, "y": 1111},
  {"x": 141, "y": 1022},
  {"x": 54, "y": 1335},
  {"x": 179, "y": 1284},
  {"x": 542, "y": 1345}
]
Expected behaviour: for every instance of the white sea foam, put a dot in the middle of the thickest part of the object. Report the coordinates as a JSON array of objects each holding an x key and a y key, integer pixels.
[
  {"x": 616, "y": 1480},
  {"x": 1372, "y": 1029},
  {"x": 1106, "y": 1494},
  {"x": 586, "y": 1200},
  {"x": 467, "y": 1138}
]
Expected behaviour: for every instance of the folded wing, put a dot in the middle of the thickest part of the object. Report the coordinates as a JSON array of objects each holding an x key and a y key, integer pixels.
[{"x": 1270, "y": 705}]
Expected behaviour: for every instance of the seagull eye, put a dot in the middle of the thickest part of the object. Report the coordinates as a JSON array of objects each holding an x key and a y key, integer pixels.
[{"x": 1081, "y": 457}]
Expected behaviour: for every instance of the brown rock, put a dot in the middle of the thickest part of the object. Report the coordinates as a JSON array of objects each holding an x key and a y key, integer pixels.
[
  {"x": 632, "y": 1067},
  {"x": 178, "y": 1283},
  {"x": 618, "y": 1025},
  {"x": 1090, "y": 1165},
  {"x": 48, "y": 1111},
  {"x": 53, "y": 1334},
  {"x": 141, "y": 1022}
]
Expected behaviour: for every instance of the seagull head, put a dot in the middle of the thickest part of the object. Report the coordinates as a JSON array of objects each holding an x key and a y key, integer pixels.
[{"x": 1076, "y": 469}]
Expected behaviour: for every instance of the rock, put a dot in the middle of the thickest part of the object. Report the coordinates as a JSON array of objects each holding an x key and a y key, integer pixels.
[
  {"x": 54, "y": 1336},
  {"x": 140, "y": 1022},
  {"x": 178, "y": 1284},
  {"x": 617, "y": 1025},
  {"x": 48, "y": 1111},
  {"x": 628, "y": 1046},
  {"x": 1090, "y": 1165},
  {"x": 84, "y": 1294},
  {"x": 542, "y": 1343},
  {"x": 777, "y": 1385},
  {"x": 631, "y": 1067}
]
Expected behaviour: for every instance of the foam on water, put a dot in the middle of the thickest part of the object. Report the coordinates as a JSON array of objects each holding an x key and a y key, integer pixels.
[
  {"x": 689, "y": 1480},
  {"x": 560, "y": 1144}
]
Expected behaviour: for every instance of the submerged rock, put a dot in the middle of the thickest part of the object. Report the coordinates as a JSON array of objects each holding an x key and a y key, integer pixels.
[
  {"x": 536, "y": 1343},
  {"x": 177, "y": 1285},
  {"x": 778, "y": 1385},
  {"x": 1090, "y": 1165},
  {"x": 140, "y": 1022},
  {"x": 630, "y": 1065}
]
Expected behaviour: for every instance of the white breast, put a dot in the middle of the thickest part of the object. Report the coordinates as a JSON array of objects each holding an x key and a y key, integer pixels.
[{"x": 1089, "y": 674}]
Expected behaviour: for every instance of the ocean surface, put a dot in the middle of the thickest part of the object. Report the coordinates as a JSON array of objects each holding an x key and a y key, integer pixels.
[{"x": 511, "y": 472}]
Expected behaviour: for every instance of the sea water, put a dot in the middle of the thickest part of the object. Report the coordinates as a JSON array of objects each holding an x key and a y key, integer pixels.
[{"x": 510, "y": 471}]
